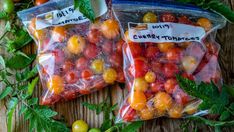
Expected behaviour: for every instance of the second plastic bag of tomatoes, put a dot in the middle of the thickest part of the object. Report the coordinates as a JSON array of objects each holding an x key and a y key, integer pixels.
[
  {"x": 163, "y": 40},
  {"x": 75, "y": 56}
]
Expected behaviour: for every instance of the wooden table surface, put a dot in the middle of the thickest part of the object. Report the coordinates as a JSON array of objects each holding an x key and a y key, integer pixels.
[{"x": 73, "y": 110}]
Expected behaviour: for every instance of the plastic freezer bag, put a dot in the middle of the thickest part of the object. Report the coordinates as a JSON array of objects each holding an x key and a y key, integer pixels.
[
  {"x": 75, "y": 56},
  {"x": 163, "y": 40}
]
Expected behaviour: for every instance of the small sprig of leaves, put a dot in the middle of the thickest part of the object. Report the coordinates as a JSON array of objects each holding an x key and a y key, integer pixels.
[
  {"x": 16, "y": 65},
  {"x": 213, "y": 5},
  {"x": 220, "y": 103},
  {"x": 86, "y": 8},
  {"x": 108, "y": 124}
]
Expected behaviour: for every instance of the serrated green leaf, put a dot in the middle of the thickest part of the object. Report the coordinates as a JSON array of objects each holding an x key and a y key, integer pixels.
[
  {"x": 33, "y": 101},
  {"x": 2, "y": 62},
  {"x": 85, "y": 8},
  {"x": 46, "y": 112},
  {"x": 224, "y": 116},
  {"x": 32, "y": 85},
  {"x": 32, "y": 124},
  {"x": 28, "y": 114},
  {"x": 133, "y": 127},
  {"x": 31, "y": 73},
  {"x": 11, "y": 109},
  {"x": 19, "y": 61},
  {"x": 19, "y": 42},
  {"x": 23, "y": 109},
  {"x": 3, "y": 15},
  {"x": 5, "y": 92}
]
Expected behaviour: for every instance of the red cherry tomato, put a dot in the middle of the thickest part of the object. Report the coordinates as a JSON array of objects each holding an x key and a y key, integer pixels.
[
  {"x": 139, "y": 68},
  {"x": 134, "y": 49},
  {"x": 91, "y": 51},
  {"x": 152, "y": 51},
  {"x": 94, "y": 36},
  {"x": 120, "y": 76},
  {"x": 67, "y": 66},
  {"x": 69, "y": 94},
  {"x": 170, "y": 85},
  {"x": 170, "y": 70},
  {"x": 39, "y": 2},
  {"x": 156, "y": 66},
  {"x": 116, "y": 60},
  {"x": 86, "y": 74},
  {"x": 119, "y": 46},
  {"x": 180, "y": 96},
  {"x": 168, "y": 17},
  {"x": 188, "y": 76},
  {"x": 174, "y": 54},
  {"x": 71, "y": 77},
  {"x": 84, "y": 91},
  {"x": 58, "y": 55},
  {"x": 156, "y": 87},
  {"x": 127, "y": 113},
  {"x": 149, "y": 94},
  {"x": 107, "y": 47},
  {"x": 82, "y": 63},
  {"x": 184, "y": 20}
]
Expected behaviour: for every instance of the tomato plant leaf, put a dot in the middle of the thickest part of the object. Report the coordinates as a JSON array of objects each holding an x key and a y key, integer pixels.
[
  {"x": 224, "y": 116},
  {"x": 32, "y": 85},
  {"x": 11, "y": 108},
  {"x": 3, "y": 15},
  {"x": 20, "y": 61},
  {"x": 5, "y": 92},
  {"x": 133, "y": 127},
  {"x": 86, "y": 8}
]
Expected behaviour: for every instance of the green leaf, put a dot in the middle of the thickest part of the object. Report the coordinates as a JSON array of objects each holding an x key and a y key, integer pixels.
[
  {"x": 30, "y": 74},
  {"x": 8, "y": 26},
  {"x": 11, "y": 108},
  {"x": 224, "y": 116},
  {"x": 3, "y": 15},
  {"x": 114, "y": 107},
  {"x": 230, "y": 90},
  {"x": 231, "y": 107},
  {"x": 107, "y": 123},
  {"x": 32, "y": 85},
  {"x": 33, "y": 101},
  {"x": 5, "y": 92},
  {"x": 23, "y": 109},
  {"x": 222, "y": 9},
  {"x": 86, "y": 8},
  {"x": 211, "y": 122},
  {"x": 20, "y": 61},
  {"x": 133, "y": 127},
  {"x": 2, "y": 62},
  {"x": 19, "y": 42}
]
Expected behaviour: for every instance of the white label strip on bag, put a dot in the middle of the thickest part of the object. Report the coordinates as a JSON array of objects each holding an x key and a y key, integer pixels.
[
  {"x": 68, "y": 15},
  {"x": 164, "y": 32}
]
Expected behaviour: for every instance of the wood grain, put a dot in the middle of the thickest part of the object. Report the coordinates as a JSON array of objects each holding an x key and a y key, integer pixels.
[{"x": 73, "y": 110}]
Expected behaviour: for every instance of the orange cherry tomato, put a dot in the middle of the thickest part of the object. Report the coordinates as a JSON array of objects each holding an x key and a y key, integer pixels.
[
  {"x": 55, "y": 84},
  {"x": 170, "y": 85},
  {"x": 39, "y": 2},
  {"x": 162, "y": 101},
  {"x": 110, "y": 28},
  {"x": 140, "y": 84},
  {"x": 150, "y": 77},
  {"x": 164, "y": 47},
  {"x": 175, "y": 111},
  {"x": 146, "y": 114},
  {"x": 76, "y": 44},
  {"x": 205, "y": 23},
  {"x": 137, "y": 100},
  {"x": 59, "y": 34}
]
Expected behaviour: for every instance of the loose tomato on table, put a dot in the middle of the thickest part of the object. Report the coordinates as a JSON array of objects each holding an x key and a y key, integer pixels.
[
  {"x": 8, "y": 6},
  {"x": 80, "y": 126}
]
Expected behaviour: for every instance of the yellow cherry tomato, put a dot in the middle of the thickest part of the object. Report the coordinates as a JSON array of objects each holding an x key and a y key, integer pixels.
[
  {"x": 205, "y": 23},
  {"x": 146, "y": 114},
  {"x": 76, "y": 44},
  {"x": 164, "y": 47},
  {"x": 137, "y": 100},
  {"x": 162, "y": 101},
  {"x": 110, "y": 28},
  {"x": 150, "y": 77},
  {"x": 97, "y": 66},
  {"x": 150, "y": 17},
  {"x": 55, "y": 84},
  {"x": 110, "y": 75},
  {"x": 140, "y": 84},
  {"x": 80, "y": 126},
  {"x": 189, "y": 63},
  {"x": 175, "y": 111},
  {"x": 59, "y": 34}
]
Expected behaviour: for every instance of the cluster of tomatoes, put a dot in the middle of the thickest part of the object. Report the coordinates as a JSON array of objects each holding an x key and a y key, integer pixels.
[
  {"x": 151, "y": 70},
  {"x": 78, "y": 59}
]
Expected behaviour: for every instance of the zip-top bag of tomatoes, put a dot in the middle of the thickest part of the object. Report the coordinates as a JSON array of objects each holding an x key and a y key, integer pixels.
[
  {"x": 163, "y": 40},
  {"x": 75, "y": 56}
]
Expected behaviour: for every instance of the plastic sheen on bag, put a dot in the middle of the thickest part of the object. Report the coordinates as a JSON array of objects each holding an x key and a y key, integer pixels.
[
  {"x": 75, "y": 56},
  {"x": 165, "y": 39}
]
